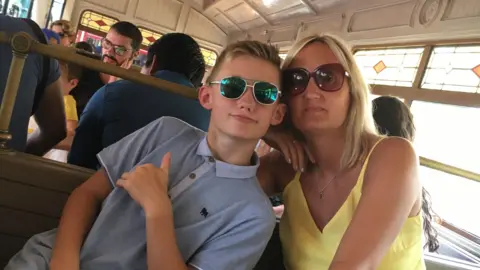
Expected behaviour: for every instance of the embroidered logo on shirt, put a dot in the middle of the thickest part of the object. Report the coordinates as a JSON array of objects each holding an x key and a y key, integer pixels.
[{"x": 204, "y": 212}]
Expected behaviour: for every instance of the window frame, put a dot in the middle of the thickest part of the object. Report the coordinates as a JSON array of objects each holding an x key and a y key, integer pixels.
[
  {"x": 29, "y": 13},
  {"x": 49, "y": 17},
  {"x": 416, "y": 92}
]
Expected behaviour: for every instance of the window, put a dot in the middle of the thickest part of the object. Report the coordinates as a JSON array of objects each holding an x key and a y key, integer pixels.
[
  {"x": 96, "y": 21},
  {"x": 454, "y": 68},
  {"x": 453, "y": 198},
  {"x": 16, "y": 8},
  {"x": 283, "y": 55},
  {"x": 56, "y": 11},
  {"x": 149, "y": 36},
  {"x": 209, "y": 56},
  {"x": 390, "y": 66},
  {"x": 448, "y": 134}
]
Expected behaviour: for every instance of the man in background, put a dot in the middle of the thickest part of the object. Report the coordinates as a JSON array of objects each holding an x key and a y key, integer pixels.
[
  {"x": 120, "y": 108},
  {"x": 119, "y": 47},
  {"x": 39, "y": 93}
]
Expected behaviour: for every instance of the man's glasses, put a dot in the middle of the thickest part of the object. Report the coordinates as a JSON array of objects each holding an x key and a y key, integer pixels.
[
  {"x": 234, "y": 87},
  {"x": 119, "y": 49}
]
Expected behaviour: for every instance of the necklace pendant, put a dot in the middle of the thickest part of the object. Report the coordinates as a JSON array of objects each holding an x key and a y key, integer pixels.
[{"x": 321, "y": 195}]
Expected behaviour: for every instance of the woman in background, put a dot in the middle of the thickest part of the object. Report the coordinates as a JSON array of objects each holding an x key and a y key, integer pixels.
[{"x": 393, "y": 118}]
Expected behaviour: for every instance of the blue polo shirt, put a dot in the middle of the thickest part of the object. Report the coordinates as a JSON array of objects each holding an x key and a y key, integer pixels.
[
  {"x": 122, "y": 107},
  {"x": 222, "y": 218}
]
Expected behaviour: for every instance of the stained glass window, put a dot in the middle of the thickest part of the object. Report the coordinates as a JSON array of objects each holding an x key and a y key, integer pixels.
[
  {"x": 149, "y": 36},
  {"x": 97, "y": 21},
  {"x": 390, "y": 66},
  {"x": 209, "y": 56},
  {"x": 454, "y": 68}
]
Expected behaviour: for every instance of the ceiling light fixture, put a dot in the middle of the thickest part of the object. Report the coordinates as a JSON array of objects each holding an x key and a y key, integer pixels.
[{"x": 268, "y": 2}]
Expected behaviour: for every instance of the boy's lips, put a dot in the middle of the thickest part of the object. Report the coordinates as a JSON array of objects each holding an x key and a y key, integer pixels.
[{"x": 243, "y": 118}]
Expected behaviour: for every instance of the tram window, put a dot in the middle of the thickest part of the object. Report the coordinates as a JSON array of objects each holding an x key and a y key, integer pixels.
[
  {"x": 18, "y": 9},
  {"x": 149, "y": 36},
  {"x": 394, "y": 66},
  {"x": 448, "y": 134},
  {"x": 453, "y": 198},
  {"x": 454, "y": 68},
  {"x": 209, "y": 56},
  {"x": 56, "y": 11}
]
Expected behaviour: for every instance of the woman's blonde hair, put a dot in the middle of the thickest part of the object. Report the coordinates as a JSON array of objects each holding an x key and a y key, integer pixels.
[{"x": 359, "y": 123}]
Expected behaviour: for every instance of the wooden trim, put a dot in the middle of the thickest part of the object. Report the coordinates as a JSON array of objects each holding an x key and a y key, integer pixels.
[
  {"x": 436, "y": 165},
  {"x": 427, "y": 52},
  {"x": 429, "y": 95}
]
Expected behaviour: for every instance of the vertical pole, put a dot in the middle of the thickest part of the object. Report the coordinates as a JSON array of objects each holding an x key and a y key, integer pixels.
[{"x": 12, "y": 84}]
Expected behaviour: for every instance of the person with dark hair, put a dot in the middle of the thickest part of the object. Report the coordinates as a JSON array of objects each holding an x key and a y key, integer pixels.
[
  {"x": 393, "y": 118},
  {"x": 39, "y": 93},
  {"x": 119, "y": 47},
  {"x": 83, "y": 45},
  {"x": 120, "y": 108}
]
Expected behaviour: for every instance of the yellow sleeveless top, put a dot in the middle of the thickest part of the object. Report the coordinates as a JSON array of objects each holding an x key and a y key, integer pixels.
[{"x": 305, "y": 247}]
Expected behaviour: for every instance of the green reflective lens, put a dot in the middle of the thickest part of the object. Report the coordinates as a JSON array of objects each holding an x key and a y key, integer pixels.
[
  {"x": 265, "y": 92},
  {"x": 232, "y": 87}
]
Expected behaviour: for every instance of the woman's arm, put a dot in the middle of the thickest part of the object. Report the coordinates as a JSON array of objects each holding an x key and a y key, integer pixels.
[{"x": 390, "y": 191}]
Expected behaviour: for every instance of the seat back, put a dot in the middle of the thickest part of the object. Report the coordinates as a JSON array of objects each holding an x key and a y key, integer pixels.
[
  {"x": 33, "y": 191},
  {"x": 272, "y": 258}
]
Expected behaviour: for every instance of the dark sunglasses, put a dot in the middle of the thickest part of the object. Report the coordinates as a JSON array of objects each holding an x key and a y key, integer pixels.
[
  {"x": 119, "y": 50},
  {"x": 329, "y": 78},
  {"x": 234, "y": 87}
]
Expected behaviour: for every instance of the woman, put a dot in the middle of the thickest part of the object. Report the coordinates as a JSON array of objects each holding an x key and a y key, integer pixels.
[
  {"x": 358, "y": 205},
  {"x": 393, "y": 118},
  {"x": 65, "y": 30}
]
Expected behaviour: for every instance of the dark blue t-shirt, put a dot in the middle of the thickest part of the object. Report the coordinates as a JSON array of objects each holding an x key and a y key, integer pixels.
[
  {"x": 122, "y": 107},
  {"x": 32, "y": 75}
]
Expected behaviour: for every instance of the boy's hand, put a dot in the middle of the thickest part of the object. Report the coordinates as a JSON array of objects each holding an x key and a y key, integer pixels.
[{"x": 148, "y": 186}]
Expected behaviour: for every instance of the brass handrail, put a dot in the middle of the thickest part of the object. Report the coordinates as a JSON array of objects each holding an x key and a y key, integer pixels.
[
  {"x": 65, "y": 54},
  {"x": 22, "y": 44},
  {"x": 432, "y": 164}
]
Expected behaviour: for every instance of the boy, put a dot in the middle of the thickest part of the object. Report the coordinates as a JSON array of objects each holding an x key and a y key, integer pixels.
[
  {"x": 70, "y": 75},
  {"x": 205, "y": 211}
]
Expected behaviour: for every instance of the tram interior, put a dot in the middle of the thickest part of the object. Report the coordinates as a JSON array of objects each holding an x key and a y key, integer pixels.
[{"x": 424, "y": 52}]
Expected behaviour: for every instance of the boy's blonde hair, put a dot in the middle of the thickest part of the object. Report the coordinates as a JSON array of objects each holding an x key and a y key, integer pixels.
[
  {"x": 359, "y": 123},
  {"x": 252, "y": 48}
]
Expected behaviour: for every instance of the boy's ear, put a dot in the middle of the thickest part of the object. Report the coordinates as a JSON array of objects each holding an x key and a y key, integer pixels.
[
  {"x": 73, "y": 83},
  {"x": 205, "y": 97},
  {"x": 278, "y": 114}
]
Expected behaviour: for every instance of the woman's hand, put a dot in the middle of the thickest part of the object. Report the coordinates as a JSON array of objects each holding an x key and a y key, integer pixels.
[{"x": 296, "y": 153}]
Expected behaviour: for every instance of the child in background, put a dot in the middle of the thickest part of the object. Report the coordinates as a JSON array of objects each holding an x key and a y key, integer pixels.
[{"x": 70, "y": 75}]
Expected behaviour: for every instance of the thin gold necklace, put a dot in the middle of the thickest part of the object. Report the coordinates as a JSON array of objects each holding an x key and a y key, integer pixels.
[{"x": 322, "y": 191}]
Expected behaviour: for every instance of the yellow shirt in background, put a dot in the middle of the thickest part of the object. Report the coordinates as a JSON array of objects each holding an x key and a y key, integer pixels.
[
  {"x": 70, "y": 113},
  {"x": 70, "y": 108}
]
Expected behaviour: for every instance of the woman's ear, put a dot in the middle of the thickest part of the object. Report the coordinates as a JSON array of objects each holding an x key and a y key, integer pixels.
[{"x": 205, "y": 97}]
